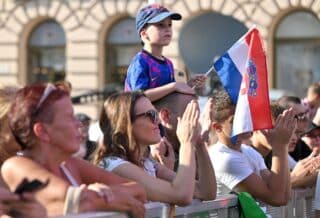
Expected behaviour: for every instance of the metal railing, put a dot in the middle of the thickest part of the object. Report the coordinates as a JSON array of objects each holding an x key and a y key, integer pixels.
[{"x": 301, "y": 205}]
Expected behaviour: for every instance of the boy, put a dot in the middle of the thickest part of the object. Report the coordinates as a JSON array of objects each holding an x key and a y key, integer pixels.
[
  {"x": 241, "y": 168},
  {"x": 149, "y": 69}
]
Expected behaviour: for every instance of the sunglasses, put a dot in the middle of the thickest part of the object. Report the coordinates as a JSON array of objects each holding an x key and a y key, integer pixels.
[{"x": 151, "y": 114}]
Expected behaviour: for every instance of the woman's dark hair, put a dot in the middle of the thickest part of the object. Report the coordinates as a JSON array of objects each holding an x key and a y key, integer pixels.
[{"x": 116, "y": 124}]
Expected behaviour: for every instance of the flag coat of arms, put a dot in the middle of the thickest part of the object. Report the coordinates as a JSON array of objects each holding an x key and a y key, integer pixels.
[{"x": 243, "y": 73}]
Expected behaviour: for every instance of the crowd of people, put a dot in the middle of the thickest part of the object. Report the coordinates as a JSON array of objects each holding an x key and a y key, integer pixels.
[{"x": 155, "y": 144}]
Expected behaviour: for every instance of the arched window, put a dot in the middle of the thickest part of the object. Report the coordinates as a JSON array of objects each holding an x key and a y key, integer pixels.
[
  {"x": 122, "y": 43},
  {"x": 46, "y": 53},
  {"x": 297, "y": 52}
]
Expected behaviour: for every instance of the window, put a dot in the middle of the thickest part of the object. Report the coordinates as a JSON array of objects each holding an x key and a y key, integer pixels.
[
  {"x": 297, "y": 52},
  {"x": 122, "y": 43},
  {"x": 46, "y": 53}
]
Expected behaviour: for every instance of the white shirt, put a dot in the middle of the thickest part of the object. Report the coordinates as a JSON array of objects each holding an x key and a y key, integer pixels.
[
  {"x": 112, "y": 162},
  {"x": 232, "y": 166}
]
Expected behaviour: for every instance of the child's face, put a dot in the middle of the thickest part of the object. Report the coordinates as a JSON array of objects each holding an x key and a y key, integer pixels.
[{"x": 158, "y": 33}]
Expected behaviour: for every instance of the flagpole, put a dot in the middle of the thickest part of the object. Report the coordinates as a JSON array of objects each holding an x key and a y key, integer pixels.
[{"x": 209, "y": 71}]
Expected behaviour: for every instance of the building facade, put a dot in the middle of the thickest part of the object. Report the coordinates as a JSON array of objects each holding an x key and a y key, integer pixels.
[{"x": 91, "y": 42}]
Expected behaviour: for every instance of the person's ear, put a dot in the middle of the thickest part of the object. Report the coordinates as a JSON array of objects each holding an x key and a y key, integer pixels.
[
  {"x": 144, "y": 35},
  {"x": 216, "y": 126},
  {"x": 164, "y": 115},
  {"x": 40, "y": 131}
]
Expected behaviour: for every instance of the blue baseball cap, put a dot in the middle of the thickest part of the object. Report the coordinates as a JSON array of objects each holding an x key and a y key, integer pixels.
[{"x": 153, "y": 13}]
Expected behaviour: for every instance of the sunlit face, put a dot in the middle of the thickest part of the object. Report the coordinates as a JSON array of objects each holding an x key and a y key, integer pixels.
[
  {"x": 145, "y": 126},
  {"x": 64, "y": 130},
  {"x": 312, "y": 139},
  {"x": 159, "y": 33}
]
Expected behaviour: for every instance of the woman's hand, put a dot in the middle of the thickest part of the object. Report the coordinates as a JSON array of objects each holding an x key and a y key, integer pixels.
[
  {"x": 102, "y": 190},
  {"x": 163, "y": 153},
  {"x": 124, "y": 201},
  {"x": 124, "y": 197},
  {"x": 205, "y": 121}
]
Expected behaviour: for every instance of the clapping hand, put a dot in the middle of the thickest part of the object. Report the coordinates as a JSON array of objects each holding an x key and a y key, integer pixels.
[
  {"x": 205, "y": 121},
  {"x": 280, "y": 135},
  {"x": 188, "y": 129}
]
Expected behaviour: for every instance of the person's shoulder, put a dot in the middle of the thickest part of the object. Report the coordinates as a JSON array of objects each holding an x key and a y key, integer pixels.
[
  {"x": 220, "y": 148},
  {"x": 168, "y": 60},
  {"x": 138, "y": 62},
  {"x": 18, "y": 161},
  {"x": 19, "y": 165},
  {"x": 140, "y": 56},
  {"x": 250, "y": 150},
  {"x": 221, "y": 153},
  {"x": 111, "y": 162}
]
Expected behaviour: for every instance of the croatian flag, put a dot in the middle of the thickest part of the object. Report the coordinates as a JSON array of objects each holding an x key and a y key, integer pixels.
[{"x": 243, "y": 73}]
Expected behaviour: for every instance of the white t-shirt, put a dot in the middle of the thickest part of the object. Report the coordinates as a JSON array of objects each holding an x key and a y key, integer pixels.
[
  {"x": 232, "y": 166},
  {"x": 112, "y": 162}
]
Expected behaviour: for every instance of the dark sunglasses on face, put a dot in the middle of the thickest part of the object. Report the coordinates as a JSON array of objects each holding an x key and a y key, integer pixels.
[{"x": 151, "y": 114}]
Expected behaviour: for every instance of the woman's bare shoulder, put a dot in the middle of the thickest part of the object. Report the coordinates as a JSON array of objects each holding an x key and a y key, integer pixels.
[{"x": 18, "y": 162}]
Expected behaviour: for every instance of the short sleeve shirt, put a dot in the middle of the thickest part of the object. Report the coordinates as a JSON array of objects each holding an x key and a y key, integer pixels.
[
  {"x": 112, "y": 162},
  {"x": 146, "y": 71},
  {"x": 232, "y": 167}
]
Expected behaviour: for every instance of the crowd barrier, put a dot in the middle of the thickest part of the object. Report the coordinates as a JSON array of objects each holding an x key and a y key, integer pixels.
[
  {"x": 301, "y": 205},
  {"x": 225, "y": 206}
]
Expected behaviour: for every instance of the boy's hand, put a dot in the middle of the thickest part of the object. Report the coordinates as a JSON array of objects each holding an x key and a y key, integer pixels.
[
  {"x": 183, "y": 88},
  {"x": 197, "y": 81},
  {"x": 280, "y": 135}
]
